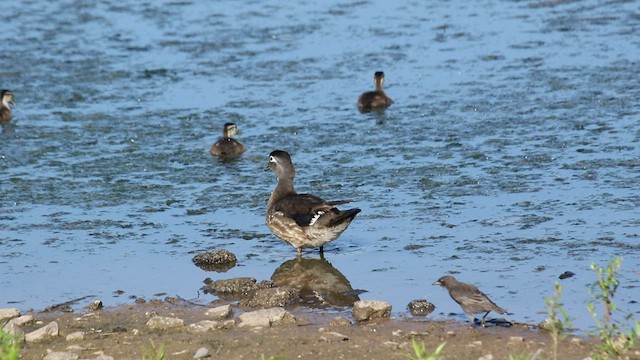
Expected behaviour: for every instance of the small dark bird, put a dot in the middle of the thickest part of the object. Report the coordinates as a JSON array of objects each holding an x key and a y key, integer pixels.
[
  {"x": 6, "y": 99},
  {"x": 375, "y": 100},
  {"x": 302, "y": 220},
  {"x": 228, "y": 147},
  {"x": 469, "y": 297}
]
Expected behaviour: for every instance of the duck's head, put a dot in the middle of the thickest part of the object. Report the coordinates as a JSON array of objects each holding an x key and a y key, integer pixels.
[
  {"x": 378, "y": 78},
  {"x": 229, "y": 130},
  {"x": 7, "y": 98},
  {"x": 280, "y": 163}
]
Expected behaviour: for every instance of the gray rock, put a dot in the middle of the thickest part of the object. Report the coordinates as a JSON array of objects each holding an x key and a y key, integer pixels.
[
  {"x": 420, "y": 307},
  {"x": 201, "y": 353},
  {"x": 162, "y": 322},
  {"x": 22, "y": 320},
  {"x": 76, "y": 336},
  {"x": 220, "y": 312},
  {"x": 266, "y": 317},
  {"x": 203, "y": 326},
  {"x": 94, "y": 306},
  {"x": 339, "y": 322},
  {"x": 236, "y": 288},
  {"x": 104, "y": 357},
  {"x": 268, "y": 298},
  {"x": 12, "y": 329},
  {"x": 371, "y": 309},
  {"x": 45, "y": 332},
  {"x": 8, "y": 313},
  {"x": 219, "y": 260},
  {"x": 56, "y": 355}
]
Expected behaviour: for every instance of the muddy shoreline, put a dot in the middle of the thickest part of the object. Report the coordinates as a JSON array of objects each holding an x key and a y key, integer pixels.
[{"x": 126, "y": 332}]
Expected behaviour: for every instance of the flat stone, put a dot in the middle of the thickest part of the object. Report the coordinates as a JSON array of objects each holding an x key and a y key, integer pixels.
[
  {"x": 8, "y": 313},
  {"x": 272, "y": 297},
  {"x": 203, "y": 326},
  {"x": 486, "y": 357},
  {"x": 58, "y": 355},
  {"x": 22, "y": 320},
  {"x": 104, "y": 357},
  {"x": 76, "y": 336},
  {"x": 220, "y": 312},
  {"x": 12, "y": 329},
  {"x": 371, "y": 309},
  {"x": 339, "y": 321},
  {"x": 162, "y": 322},
  {"x": 201, "y": 353},
  {"x": 266, "y": 318},
  {"x": 45, "y": 332},
  {"x": 516, "y": 339}
]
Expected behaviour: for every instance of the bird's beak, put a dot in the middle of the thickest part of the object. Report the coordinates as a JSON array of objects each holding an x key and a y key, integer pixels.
[
  {"x": 267, "y": 168},
  {"x": 437, "y": 283},
  {"x": 13, "y": 101}
]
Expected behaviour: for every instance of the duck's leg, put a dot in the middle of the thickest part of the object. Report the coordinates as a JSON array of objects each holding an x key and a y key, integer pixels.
[
  {"x": 299, "y": 251},
  {"x": 321, "y": 250},
  {"x": 483, "y": 318}
]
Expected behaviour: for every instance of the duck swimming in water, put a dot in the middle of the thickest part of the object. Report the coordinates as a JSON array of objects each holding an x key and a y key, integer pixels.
[{"x": 377, "y": 99}]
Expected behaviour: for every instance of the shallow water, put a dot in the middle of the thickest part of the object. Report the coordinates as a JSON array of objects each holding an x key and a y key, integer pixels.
[{"x": 509, "y": 156}]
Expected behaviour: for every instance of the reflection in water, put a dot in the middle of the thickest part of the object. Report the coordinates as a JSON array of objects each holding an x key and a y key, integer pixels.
[{"x": 317, "y": 280}]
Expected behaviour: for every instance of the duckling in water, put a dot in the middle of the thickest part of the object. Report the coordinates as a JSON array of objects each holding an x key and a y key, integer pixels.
[
  {"x": 6, "y": 97},
  {"x": 227, "y": 147},
  {"x": 375, "y": 100}
]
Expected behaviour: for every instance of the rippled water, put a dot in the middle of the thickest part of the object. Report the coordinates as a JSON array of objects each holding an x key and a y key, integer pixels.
[{"x": 510, "y": 154}]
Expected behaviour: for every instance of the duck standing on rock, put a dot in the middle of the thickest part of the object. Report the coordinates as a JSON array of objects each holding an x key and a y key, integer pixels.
[
  {"x": 377, "y": 99},
  {"x": 227, "y": 147},
  {"x": 6, "y": 99},
  {"x": 302, "y": 220}
]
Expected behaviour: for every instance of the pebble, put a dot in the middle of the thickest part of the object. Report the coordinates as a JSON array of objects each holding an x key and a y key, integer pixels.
[
  {"x": 486, "y": 357},
  {"x": 339, "y": 321},
  {"x": 162, "y": 322},
  {"x": 475, "y": 344},
  {"x": 266, "y": 318},
  {"x": 8, "y": 313},
  {"x": 371, "y": 309},
  {"x": 59, "y": 355},
  {"x": 220, "y": 312},
  {"x": 201, "y": 353},
  {"x": 516, "y": 339},
  {"x": 420, "y": 307},
  {"x": 94, "y": 306},
  {"x": 219, "y": 260},
  {"x": 203, "y": 326},
  {"x": 45, "y": 332},
  {"x": 76, "y": 336}
]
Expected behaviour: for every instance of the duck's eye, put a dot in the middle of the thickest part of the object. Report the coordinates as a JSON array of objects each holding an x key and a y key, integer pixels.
[{"x": 272, "y": 159}]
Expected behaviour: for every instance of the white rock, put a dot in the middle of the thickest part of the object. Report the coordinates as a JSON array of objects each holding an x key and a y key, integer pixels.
[
  {"x": 22, "y": 320},
  {"x": 12, "y": 329},
  {"x": 201, "y": 353},
  {"x": 220, "y": 312},
  {"x": 486, "y": 357},
  {"x": 8, "y": 313},
  {"x": 162, "y": 322},
  {"x": 203, "y": 326},
  {"x": 371, "y": 309},
  {"x": 76, "y": 336},
  {"x": 104, "y": 357},
  {"x": 45, "y": 332},
  {"x": 266, "y": 317},
  {"x": 57, "y": 355}
]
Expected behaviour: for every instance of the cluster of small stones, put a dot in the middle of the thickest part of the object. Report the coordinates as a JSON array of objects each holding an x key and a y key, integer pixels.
[{"x": 220, "y": 260}]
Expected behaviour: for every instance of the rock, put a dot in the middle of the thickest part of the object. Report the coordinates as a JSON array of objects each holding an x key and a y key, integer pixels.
[
  {"x": 486, "y": 357},
  {"x": 337, "y": 336},
  {"x": 22, "y": 320},
  {"x": 220, "y": 260},
  {"x": 566, "y": 275},
  {"x": 420, "y": 307},
  {"x": 12, "y": 329},
  {"x": 94, "y": 306},
  {"x": 516, "y": 339},
  {"x": 45, "y": 332},
  {"x": 266, "y": 317},
  {"x": 201, "y": 353},
  {"x": 272, "y": 297},
  {"x": 339, "y": 321},
  {"x": 242, "y": 285},
  {"x": 220, "y": 312},
  {"x": 371, "y": 309},
  {"x": 549, "y": 324},
  {"x": 203, "y": 326},
  {"x": 162, "y": 322},
  {"x": 56, "y": 355},
  {"x": 104, "y": 357},
  {"x": 76, "y": 336},
  {"x": 8, "y": 313}
]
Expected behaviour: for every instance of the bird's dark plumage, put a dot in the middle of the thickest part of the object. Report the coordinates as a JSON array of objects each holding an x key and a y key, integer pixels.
[
  {"x": 6, "y": 99},
  {"x": 469, "y": 297},
  {"x": 377, "y": 99},
  {"x": 227, "y": 147},
  {"x": 302, "y": 220}
]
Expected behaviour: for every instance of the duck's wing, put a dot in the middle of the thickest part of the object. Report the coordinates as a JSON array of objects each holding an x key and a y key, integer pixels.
[{"x": 304, "y": 209}]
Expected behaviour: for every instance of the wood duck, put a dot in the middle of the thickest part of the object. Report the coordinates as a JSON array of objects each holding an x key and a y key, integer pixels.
[
  {"x": 226, "y": 146},
  {"x": 375, "y": 100},
  {"x": 302, "y": 220},
  {"x": 469, "y": 297},
  {"x": 7, "y": 99}
]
